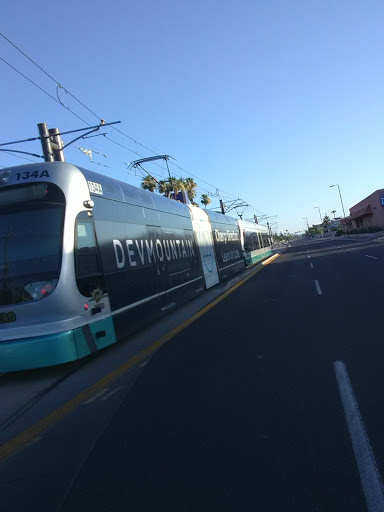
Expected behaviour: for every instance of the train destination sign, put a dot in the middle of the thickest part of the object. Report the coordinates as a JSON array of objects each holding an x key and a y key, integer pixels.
[{"x": 146, "y": 251}]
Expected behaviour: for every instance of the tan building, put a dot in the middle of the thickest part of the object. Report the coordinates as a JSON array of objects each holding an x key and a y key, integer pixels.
[{"x": 368, "y": 213}]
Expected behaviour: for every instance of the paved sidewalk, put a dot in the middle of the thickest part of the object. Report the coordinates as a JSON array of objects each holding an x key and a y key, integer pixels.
[{"x": 379, "y": 235}]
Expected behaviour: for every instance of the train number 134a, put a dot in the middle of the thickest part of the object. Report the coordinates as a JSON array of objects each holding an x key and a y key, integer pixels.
[{"x": 35, "y": 174}]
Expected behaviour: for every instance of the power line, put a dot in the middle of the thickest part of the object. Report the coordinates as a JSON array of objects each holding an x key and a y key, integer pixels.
[
  {"x": 96, "y": 115},
  {"x": 18, "y": 156},
  {"x": 25, "y": 55},
  {"x": 43, "y": 90},
  {"x": 29, "y": 80},
  {"x": 58, "y": 100},
  {"x": 49, "y": 76}
]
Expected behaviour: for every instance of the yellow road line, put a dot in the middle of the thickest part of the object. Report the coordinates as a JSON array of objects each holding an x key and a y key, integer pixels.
[
  {"x": 269, "y": 260},
  {"x": 26, "y": 437}
]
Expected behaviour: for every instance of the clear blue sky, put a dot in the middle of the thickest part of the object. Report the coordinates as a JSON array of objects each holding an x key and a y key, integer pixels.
[{"x": 271, "y": 101}]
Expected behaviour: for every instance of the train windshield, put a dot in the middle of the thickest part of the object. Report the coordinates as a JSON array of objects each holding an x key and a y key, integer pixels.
[{"x": 31, "y": 227}]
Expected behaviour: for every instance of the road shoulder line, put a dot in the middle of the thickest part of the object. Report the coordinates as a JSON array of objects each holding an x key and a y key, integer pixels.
[{"x": 369, "y": 473}]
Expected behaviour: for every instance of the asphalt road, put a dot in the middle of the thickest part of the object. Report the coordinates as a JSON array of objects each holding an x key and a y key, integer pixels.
[{"x": 241, "y": 411}]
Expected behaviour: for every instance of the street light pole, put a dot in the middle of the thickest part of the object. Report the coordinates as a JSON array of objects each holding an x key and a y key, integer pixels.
[
  {"x": 321, "y": 219},
  {"x": 270, "y": 233},
  {"x": 342, "y": 205},
  {"x": 305, "y": 218}
]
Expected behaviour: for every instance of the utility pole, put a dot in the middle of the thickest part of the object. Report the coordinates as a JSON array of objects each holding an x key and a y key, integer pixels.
[
  {"x": 342, "y": 205},
  {"x": 270, "y": 233},
  {"x": 321, "y": 221},
  {"x": 51, "y": 142},
  {"x": 56, "y": 145},
  {"x": 45, "y": 142}
]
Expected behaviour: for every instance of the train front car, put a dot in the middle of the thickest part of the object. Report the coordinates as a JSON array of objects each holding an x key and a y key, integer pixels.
[{"x": 45, "y": 304}]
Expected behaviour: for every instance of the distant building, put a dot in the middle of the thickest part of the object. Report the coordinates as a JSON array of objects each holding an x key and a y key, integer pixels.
[
  {"x": 331, "y": 227},
  {"x": 368, "y": 213}
]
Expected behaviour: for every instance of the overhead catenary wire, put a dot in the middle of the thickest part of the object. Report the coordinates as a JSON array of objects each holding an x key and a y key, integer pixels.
[
  {"x": 58, "y": 100},
  {"x": 96, "y": 115},
  {"x": 29, "y": 80},
  {"x": 22, "y": 157},
  {"x": 111, "y": 140}
]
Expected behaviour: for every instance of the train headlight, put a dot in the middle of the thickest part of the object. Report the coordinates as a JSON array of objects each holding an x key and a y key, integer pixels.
[
  {"x": 89, "y": 204},
  {"x": 4, "y": 177},
  {"x": 41, "y": 289}
]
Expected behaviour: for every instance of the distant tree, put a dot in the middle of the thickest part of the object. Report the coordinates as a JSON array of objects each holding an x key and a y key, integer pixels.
[
  {"x": 313, "y": 230},
  {"x": 149, "y": 183},
  {"x": 178, "y": 185},
  {"x": 205, "y": 200},
  {"x": 334, "y": 213},
  {"x": 172, "y": 185},
  {"x": 326, "y": 219},
  {"x": 165, "y": 187},
  {"x": 190, "y": 187}
]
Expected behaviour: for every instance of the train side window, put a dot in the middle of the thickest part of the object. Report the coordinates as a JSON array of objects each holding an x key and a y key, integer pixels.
[
  {"x": 265, "y": 240},
  {"x": 89, "y": 276}
]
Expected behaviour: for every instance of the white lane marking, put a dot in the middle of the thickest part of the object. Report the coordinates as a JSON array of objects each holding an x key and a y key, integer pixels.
[
  {"x": 309, "y": 257},
  {"x": 311, "y": 265},
  {"x": 112, "y": 393},
  {"x": 368, "y": 256},
  {"x": 369, "y": 474},
  {"x": 95, "y": 397},
  {"x": 318, "y": 287}
]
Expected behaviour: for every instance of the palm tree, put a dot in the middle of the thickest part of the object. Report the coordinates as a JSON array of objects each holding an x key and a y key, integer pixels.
[
  {"x": 178, "y": 185},
  {"x": 334, "y": 213},
  {"x": 165, "y": 187},
  {"x": 149, "y": 183},
  {"x": 205, "y": 200},
  {"x": 190, "y": 187}
]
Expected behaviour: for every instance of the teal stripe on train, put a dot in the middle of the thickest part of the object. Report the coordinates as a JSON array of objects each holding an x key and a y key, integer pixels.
[
  {"x": 251, "y": 260},
  {"x": 55, "y": 348}
]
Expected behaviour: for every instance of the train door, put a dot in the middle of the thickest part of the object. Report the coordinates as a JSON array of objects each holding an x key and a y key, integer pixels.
[
  {"x": 99, "y": 332},
  {"x": 203, "y": 231},
  {"x": 260, "y": 240},
  {"x": 240, "y": 224}
]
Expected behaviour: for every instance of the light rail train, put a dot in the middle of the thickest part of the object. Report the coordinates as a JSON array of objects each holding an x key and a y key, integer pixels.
[{"x": 85, "y": 260}]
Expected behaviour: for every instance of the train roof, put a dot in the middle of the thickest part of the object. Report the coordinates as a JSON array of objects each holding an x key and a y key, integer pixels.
[
  {"x": 120, "y": 191},
  {"x": 221, "y": 219},
  {"x": 254, "y": 227}
]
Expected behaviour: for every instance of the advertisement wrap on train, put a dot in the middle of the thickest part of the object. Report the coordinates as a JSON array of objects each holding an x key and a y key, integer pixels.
[{"x": 86, "y": 260}]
